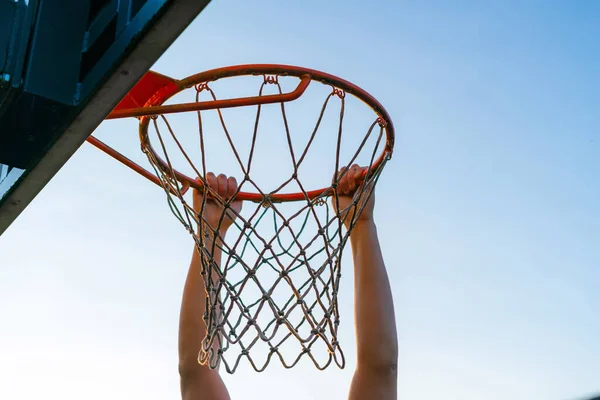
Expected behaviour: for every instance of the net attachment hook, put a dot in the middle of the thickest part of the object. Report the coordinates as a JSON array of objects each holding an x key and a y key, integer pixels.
[
  {"x": 338, "y": 92},
  {"x": 200, "y": 87},
  {"x": 271, "y": 79}
]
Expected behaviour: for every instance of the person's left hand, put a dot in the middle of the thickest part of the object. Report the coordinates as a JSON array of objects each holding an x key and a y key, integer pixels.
[{"x": 213, "y": 209}]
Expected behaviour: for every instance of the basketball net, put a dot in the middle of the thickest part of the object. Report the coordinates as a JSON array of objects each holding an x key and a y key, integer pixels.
[{"x": 275, "y": 292}]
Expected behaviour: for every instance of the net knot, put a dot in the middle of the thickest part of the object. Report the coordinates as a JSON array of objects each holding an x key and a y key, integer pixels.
[{"x": 267, "y": 202}]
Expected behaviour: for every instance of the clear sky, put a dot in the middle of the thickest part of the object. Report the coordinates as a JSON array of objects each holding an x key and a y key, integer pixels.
[{"x": 488, "y": 213}]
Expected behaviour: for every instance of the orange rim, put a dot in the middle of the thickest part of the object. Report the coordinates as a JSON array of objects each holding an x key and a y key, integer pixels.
[{"x": 154, "y": 106}]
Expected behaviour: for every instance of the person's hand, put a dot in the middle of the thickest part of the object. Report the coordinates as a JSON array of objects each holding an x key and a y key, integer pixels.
[
  {"x": 213, "y": 209},
  {"x": 347, "y": 187}
]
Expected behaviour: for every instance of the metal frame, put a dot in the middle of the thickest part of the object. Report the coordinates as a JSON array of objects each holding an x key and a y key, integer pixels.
[{"x": 174, "y": 17}]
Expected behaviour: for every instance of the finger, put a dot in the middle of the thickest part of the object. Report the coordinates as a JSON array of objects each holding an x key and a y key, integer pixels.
[
  {"x": 352, "y": 183},
  {"x": 359, "y": 176},
  {"x": 231, "y": 187},
  {"x": 222, "y": 185},
  {"x": 358, "y": 173},
  {"x": 211, "y": 180},
  {"x": 343, "y": 188},
  {"x": 196, "y": 195},
  {"x": 200, "y": 184}
]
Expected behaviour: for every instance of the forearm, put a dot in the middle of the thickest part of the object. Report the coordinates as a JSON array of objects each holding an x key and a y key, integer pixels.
[
  {"x": 377, "y": 342},
  {"x": 192, "y": 328}
]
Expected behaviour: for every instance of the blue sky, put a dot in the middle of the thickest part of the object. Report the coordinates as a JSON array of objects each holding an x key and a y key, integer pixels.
[{"x": 488, "y": 213}]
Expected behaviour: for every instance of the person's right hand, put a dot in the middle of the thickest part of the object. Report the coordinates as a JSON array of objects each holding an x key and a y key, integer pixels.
[{"x": 347, "y": 187}]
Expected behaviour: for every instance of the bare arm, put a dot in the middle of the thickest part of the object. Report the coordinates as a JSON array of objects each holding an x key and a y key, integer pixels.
[
  {"x": 199, "y": 382},
  {"x": 376, "y": 337}
]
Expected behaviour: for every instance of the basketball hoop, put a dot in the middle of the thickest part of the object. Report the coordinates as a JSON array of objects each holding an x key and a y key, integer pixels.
[{"x": 272, "y": 288}]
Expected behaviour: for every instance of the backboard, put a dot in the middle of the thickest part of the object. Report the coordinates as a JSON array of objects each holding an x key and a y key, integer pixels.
[{"x": 62, "y": 73}]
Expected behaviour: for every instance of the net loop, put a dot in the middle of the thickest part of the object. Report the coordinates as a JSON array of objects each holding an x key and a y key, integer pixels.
[
  {"x": 271, "y": 79},
  {"x": 338, "y": 92},
  {"x": 200, "y": 87}
]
